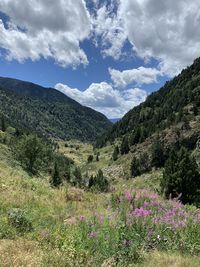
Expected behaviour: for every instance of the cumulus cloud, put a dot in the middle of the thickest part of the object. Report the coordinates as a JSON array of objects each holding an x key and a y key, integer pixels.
[
  {"x": 137, "y": 76},
  {"x": 105, "y": 99},
  {"x": 48, "y": 29},
  {"x": 110, "y": 29},
  {"x": 167, "y": 31}
]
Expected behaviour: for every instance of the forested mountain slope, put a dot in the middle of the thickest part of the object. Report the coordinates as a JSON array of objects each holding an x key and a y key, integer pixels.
[
  {"x": 178, "y": 100},
  {"x": 49, "y": 112}
]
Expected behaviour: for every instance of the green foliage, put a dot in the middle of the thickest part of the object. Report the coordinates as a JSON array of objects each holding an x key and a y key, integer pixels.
[
  {"x": 97, "y": 156},
  {"x": 78, "y": 176},
  {"x": 181, "y": 177},
  {"x": 33, "y": 153},
  {"x": 56, "y": 179},
  {"x": 135, "y": 167},
  {"x": 64, "y": 166},
  {"x": 90, "y": 158},
  {"x": 3, "y": 124},
  {"x": 115, "y": 153},
  {"x": 60, "y": 117},
  {"x": 158, "y": 157},
  {"x": 19, "y": 219},
  {"x": 99, "y": 182},
  {"x": 124, "y": 149},
  {"x": 160, "y": 110}
]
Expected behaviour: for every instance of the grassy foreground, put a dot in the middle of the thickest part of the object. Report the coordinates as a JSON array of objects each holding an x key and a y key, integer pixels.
[{"x": 130, "y": 226}]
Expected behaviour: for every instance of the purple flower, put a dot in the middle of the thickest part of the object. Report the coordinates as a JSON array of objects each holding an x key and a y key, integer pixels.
[{"x": 93, "y": 235}]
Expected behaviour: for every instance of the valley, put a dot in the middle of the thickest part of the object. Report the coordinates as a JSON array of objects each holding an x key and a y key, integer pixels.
[{"x": 79, "y": 191}]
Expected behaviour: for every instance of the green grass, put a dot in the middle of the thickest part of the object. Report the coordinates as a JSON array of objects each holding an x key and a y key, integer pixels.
[{"x": 58, "y": 237}]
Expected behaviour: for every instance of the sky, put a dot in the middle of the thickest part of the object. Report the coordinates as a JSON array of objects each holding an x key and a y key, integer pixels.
[{"x": 106, "y": 54}]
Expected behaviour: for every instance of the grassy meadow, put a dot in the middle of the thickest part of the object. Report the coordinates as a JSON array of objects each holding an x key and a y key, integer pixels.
[{"x": 132, "y": 225}]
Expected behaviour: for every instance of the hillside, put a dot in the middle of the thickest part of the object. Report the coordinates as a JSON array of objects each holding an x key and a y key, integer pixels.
[
  {"x": 49, "y": 112},
  {"x": 71, "y": 226},
  {"x": 178, "y": 100}
]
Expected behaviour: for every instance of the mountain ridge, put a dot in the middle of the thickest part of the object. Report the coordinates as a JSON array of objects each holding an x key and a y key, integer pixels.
[
  {"x": 58, "y": 116},
  {"x": 161, "y": 109}
]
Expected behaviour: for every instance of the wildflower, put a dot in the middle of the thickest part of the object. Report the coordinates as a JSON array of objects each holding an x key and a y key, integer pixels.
[
  {"x": 93, "y": 235},
  {"x": 82, "y": 218},
  {"x": 141, "y": 212},
  {"x": 158, "y": 237}
]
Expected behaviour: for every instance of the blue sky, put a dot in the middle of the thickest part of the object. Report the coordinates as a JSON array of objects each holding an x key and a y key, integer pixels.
[{"x": 108, "y": 55}]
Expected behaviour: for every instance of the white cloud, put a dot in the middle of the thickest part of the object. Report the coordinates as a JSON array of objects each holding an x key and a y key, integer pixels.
[
  {"x": 48, "y": 28},
  {"x": 109, "y": 28},
  {"x": 167, "y": 31},
  {"x": 137, "y": 76},
  {"x": 103, "y": 98}
]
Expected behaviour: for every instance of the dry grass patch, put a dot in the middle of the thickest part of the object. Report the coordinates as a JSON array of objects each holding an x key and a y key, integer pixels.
[
  {"x": 20, "y": 253},
  {"x": 160, "y": 259}
]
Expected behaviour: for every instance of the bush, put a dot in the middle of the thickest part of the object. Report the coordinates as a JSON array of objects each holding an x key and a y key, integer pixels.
[
  {"x": 99, "y": 182},
  {"x": 18, "y": 219},
  {"x": 90, "y": 158}
]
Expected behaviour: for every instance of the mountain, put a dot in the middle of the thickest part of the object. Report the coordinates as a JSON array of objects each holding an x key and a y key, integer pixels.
[
  {"x": 178, "y": 100},
  {"x": 115, "y": 120},
  {"x": 49, "y": 112}
]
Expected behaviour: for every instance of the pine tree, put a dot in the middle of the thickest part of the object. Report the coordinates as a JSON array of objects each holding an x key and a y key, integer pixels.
[
  {"x": 101, "y": 182},
  {"x": 135, "y": 167},
  {"x": 3, "y": 124},
  {"x": 158, "y": 157},
  {"x": 90, "y": 158},
  {"x": 97, "y": 156},
  {"x": 181, "y": 177},
  {"x": 125, "y": 146},
  {"x": 78, "y": 176},
  {"x": 56, "y": 179},
  {"x": 115, "y": 153}
]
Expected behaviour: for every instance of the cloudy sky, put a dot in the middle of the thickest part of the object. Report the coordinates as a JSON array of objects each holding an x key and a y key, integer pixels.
[{"x": 106, "y": 54}]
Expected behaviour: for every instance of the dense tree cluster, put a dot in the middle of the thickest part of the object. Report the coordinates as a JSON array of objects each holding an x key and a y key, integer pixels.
[{"x": 181, "y": 177}]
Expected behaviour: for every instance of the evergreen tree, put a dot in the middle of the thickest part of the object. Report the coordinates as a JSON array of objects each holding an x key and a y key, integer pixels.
[
  {"x": 135, "y": 136},
  {"x": 101, "y": 182},
  {"x": 3, "y": 124},
  {"x": 56, "y": 179},
  {"x": 78, "y": 176},
  {"x": 115, "y": 153},
  {"x": 124, "y": 146},
  {"x": 90, "y": 158},
  {"x": 158, "y": 158},
  {"x": 135, "y": 167},
  {"x": 181, "y": 177},
  {"x": 97, "y": 156},
  {"x": 91, "y": 181}
]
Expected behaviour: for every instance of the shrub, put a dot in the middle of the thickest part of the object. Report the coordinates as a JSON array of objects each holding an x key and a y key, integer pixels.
[
  {"x": 18, "y": 219},
  {"x": 99, "y": 182},
  {"x": 90, "y": 158}
]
